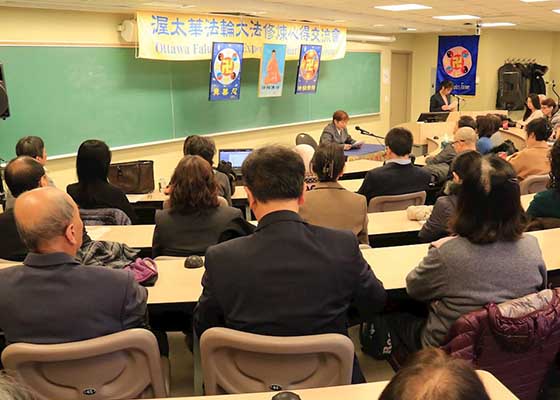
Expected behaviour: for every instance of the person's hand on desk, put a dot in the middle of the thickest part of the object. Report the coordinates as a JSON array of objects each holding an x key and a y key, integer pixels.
[{"x": 347, "y": 146}]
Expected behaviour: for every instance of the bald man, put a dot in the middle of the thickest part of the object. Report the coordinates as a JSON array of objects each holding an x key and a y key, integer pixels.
[{"x": 52, "y": 298}]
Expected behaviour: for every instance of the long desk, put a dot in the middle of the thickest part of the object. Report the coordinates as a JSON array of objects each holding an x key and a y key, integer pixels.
[
  {"x": 365, "y": 391},
  {"x": 177, "y": 284},
  {"x": 392, "y": 222}
]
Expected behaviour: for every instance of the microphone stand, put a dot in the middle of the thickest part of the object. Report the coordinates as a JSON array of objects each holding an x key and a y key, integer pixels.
[{"x": 366, "y": 133}]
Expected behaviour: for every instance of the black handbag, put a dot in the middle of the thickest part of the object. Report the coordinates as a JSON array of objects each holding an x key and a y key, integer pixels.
[{"x": 135, "y": 177}]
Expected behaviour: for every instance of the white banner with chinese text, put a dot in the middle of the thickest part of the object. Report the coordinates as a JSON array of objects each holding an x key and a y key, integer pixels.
[{"x": 169, "y": 36}]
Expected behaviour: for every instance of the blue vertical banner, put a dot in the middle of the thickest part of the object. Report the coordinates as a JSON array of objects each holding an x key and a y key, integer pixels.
[
  {"x": 457, "y": 61},
  {"x": 225, "y": 71},
  {"x": 308, "y": 68}
]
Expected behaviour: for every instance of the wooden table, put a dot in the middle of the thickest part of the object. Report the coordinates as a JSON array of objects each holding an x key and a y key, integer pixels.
[{"x": 365, "y": 391}]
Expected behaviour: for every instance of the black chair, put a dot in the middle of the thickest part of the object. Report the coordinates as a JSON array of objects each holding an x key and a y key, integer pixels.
[{"x": 305, "y": 138}]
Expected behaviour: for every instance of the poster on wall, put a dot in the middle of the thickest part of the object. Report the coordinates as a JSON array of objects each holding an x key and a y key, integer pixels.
[
  {"x": 457, "y": 62},
  {"x": 271, "y": 73},
  {"x": 308, "y": 68},
  {"x": 225, "y": 71}
]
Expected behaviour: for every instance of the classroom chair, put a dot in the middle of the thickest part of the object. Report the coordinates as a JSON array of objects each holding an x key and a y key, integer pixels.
[
  {"x": 396, "y": 202},
  {"x": 305, "y": 138},
  {"x": 123, "y": 365},
  {"x": 240, "y": 362},
  {"x": 534, "y": 184},
  {"x": 516, "y": 341},
  {"x": 104, "y": 216}
]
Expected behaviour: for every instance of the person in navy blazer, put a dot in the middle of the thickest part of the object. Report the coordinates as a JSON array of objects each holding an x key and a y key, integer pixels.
[{"x": 289, "y": 278}]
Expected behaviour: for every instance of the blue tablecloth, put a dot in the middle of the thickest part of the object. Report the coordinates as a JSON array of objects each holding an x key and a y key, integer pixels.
[{"x": 365, "y": 149}]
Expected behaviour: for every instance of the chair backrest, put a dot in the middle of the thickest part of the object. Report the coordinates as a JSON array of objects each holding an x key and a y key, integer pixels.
[
  {"x": 104, "y": 216},
  {"x": 534, "y": 184},
  {"x": 240, "y": 362},
  {"x": 305, "y": 138},
  {"x": 397, "y": 202},
  {"x": 517, "y": 341},
  {"x": 123, "y": 365}
]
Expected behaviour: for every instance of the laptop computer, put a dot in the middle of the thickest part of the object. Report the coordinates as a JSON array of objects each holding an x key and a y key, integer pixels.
[
  {"x": 433, "y": 117},
  {"x": 235, "y": 157}
]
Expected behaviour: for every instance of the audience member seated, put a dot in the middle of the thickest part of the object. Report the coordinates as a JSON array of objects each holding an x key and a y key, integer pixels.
[
  {"x": 552, "y": 113},
  {"x": 93, "y": 189},
  {"x": 194, "y": 219},
  {"x": 34, "y": 147},
  {"x": 532, "y": 110},
  {"x": 448, "y": 153},
  {"x": 52, "y": 298},
  {"x": 432, "y": 374},
  {"x": 489, "y": 259},
  {"x": 21, "y": 174},
  {"x": 329, "y": 204},
  {"x": 547, "y": 204},
  {"x": 336, "y": 131},
  {"x": 437, "y": 226},
  {"x": 398, "y": 175},
  {"x": 488, "y": 127},
  {"x": 206, "y": 148},
  {"x": 289, "y": 278},
  {"x": 306, "y": 153},
  {"x": 464, "y": 139},
  {"x": 533, "y": 160}
]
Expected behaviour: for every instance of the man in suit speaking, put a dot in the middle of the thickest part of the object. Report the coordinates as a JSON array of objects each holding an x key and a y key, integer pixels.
[
  {"x": 336, "y": 131},
  {"x": 289, "y": 278}
]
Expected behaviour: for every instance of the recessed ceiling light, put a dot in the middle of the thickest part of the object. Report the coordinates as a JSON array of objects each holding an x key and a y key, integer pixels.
[
  {"x": 456, "y": 17},
  {"x": 403, "y": 7},
  {"x": 496, "y": 24}
]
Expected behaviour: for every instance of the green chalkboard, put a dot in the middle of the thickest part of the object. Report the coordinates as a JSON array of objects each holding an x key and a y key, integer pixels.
[{"x": 67, "y": 95}]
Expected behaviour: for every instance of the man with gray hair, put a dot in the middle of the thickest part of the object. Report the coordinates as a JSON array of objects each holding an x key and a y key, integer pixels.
[{"x": 52, "y": 298}]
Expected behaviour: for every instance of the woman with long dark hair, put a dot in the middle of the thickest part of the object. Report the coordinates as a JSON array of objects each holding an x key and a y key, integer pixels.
[
  {"x": 532, "y": 110},
  {"x": 93, "y": 189},
  {"x": 547, "y": 204}
]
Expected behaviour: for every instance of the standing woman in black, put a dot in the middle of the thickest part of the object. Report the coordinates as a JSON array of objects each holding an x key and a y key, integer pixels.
[{"x": 441, "y": 101}]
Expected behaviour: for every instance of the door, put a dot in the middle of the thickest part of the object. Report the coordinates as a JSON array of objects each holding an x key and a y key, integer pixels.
[{"x": 400, "y": 88}]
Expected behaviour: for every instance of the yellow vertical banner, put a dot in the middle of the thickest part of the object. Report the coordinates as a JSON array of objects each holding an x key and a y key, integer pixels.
[{"x": 170, "y": 36}]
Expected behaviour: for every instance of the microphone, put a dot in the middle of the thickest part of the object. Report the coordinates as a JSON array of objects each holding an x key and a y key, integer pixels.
[
  {"x": 458, "y": 97},
  {"x": 362, "y": 131}
]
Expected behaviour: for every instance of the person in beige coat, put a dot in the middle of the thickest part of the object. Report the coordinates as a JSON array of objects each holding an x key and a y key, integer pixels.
[
  {"x": 329, "y": 204},
  {"x": 533, "y": 160}
]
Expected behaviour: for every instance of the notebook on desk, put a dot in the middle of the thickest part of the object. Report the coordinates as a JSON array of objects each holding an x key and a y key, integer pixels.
[{"x": 235, "y": 157}]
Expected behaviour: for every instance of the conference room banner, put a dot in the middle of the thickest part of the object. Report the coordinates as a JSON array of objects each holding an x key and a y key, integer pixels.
[
  {"x": 225, "y": 71},
  {"x": 308, "y": 69},
  {"x": 171, "y": 36},
  {"x": 457, "y": 62},
  {"x": 271, "y": 74}
]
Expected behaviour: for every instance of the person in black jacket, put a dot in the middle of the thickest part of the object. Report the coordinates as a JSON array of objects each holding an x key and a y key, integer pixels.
[
  {"x": 21, "y": 174},
  {"x": 195, "y": 219},
  {"x": 441, "y": 101},
  {"x": 288, "y": 278},
  {"x": 398, "y": 175},
  {"x": 93, "y": 189}
]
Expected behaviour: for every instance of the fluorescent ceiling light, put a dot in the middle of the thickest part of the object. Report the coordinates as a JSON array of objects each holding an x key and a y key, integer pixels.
[
  {"x": 403, "y": 7},
  {"x": 409, "y": 29},
  {"x": 533, "y": 1},
  {"x": 557, "y": 11},
  {"x": 456, "y": 17},
  {"x": 378, "y": 25},
  {"x": 496, "y": 24}
]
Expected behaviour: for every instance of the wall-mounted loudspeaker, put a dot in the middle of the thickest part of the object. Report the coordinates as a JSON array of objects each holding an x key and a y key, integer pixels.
[{"x": 4, "y": 109}]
